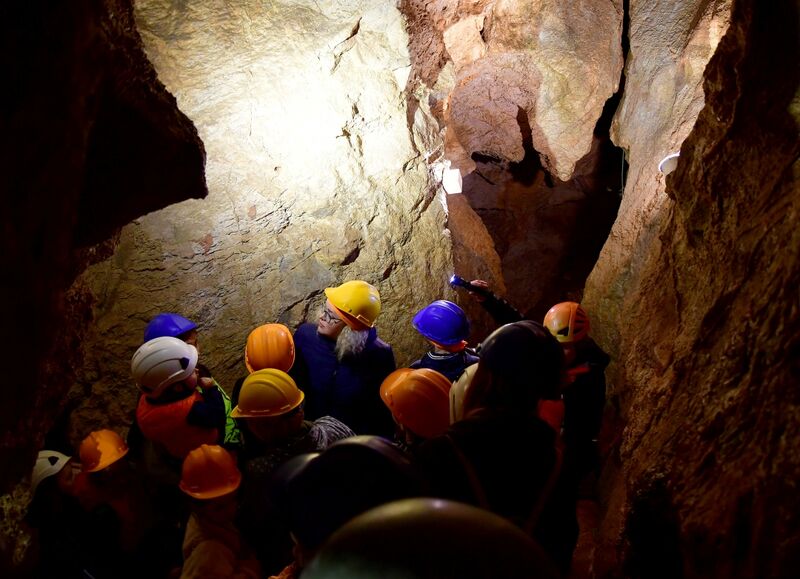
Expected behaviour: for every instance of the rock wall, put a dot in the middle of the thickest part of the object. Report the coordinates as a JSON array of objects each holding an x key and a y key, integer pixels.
[
  {"x": 316, "y": 175},
  {"x": 88, "y": 132},
  {"x": 557, "y": 64},
  {"x": 520, "y": 87},
  {"x": 695, "y": 295}
]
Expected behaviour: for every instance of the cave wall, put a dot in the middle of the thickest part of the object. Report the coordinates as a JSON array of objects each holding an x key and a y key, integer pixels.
[
  {"x": 317, "y": 174},
  {"x": 87, "y": 133},
  {"x": 520, "y": 86},
  {"x": 696, "y": 296}
]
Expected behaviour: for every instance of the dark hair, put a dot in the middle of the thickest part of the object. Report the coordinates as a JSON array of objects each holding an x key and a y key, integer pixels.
[
  {"x": 350, "y": 477},
  {"x": 521, "y": 363}
]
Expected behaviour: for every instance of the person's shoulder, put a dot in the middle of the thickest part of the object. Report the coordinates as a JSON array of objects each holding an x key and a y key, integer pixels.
[
  {"x": 306, "y": 328},
  {"x": 591, "y": 352},
  {"x": 305, "y": 331},
  {"x": 379, "y": 344}
]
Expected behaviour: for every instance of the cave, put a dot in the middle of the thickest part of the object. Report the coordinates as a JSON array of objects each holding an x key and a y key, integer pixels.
[{"x": 229, "y": 161}]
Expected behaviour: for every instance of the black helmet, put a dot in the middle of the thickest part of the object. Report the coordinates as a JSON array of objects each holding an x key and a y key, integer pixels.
[
  {"x": 527, "y": 362},
  {"x": 348, "y": 478},
  {"x": 430, "y": 538}
]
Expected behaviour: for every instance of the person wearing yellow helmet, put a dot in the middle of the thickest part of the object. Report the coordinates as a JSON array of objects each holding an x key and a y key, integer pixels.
[
  {"x": 270, "y": 409},
  {"x": 340, "y": 361}
]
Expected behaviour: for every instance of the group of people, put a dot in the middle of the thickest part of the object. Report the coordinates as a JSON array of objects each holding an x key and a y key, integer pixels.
[{"x": 325, "y": 453}]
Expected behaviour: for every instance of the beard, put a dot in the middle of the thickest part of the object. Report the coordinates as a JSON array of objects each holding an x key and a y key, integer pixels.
[{"x": 351, "y": 342}]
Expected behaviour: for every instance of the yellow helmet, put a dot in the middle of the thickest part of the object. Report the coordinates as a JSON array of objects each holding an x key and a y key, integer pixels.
[
  {"x": 268, "y": 392},
  {"x": 357, "y": 302},
  {"x": 269, "y": 346},
  {"x": 208, "y": 472},
  {"x": 101, "y": 449}
]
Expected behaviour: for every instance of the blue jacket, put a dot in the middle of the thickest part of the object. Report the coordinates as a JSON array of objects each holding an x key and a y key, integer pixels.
[
  {"x": 348, "y": 390},
  {"x": 451, "y": 365}
]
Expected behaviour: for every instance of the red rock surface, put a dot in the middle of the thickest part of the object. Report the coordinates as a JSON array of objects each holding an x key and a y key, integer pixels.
[{"x": 704, "y": 325}]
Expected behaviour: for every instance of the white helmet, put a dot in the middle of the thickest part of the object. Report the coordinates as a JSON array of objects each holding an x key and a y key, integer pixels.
[
  {"x": 459, "y": 391},
  {"x": 161, "y": 362},
  {"x": 48, "y": 463}
]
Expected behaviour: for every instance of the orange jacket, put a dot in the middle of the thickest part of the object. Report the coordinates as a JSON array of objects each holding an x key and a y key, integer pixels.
[{"x": 166, "y": 424}]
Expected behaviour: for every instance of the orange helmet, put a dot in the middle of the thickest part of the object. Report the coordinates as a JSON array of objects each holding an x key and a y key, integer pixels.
[
  {"x": 100, "y": 449},
  {"x": 567, "y": 321},
  {"x": 209, "y": 471},
  {"x": 269, "y": 346},
  {"x": 419, "y": 400}
]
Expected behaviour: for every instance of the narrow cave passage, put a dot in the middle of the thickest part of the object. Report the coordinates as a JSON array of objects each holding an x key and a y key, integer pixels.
[
  {"x": 548, "y": 233},
  {"x": 268, "y": 152}
]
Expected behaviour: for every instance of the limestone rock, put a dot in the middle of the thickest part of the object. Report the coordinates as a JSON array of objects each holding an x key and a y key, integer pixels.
[
  {"x": 558, "y": 65},
  {"x": 706, "y": 370},
  {"x": 663, "y": 95},
  {"x": 464, "y": 42},
  {"x": 314, "y": 178}
]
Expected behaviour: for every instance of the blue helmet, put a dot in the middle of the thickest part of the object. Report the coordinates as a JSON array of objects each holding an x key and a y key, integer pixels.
[
  {"x": 442, "y": 322},
  {"x": 167, "y": 324}
]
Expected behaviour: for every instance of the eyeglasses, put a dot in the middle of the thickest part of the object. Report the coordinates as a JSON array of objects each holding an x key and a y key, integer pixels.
[{"x": 330, "y": 317}]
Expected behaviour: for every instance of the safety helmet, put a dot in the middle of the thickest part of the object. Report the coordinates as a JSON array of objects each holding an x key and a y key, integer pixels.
[
  {"x": 395, "y": 378},
  {"x": 567, "y": 321},
  {"x": 101, "y": 449},
  {"x": 269, "y": 346},
  {"x": 167, "y": 324},
  {"x": 268, "y": 392},
  {"x": 161, "y": 362},
  {"x": 526, "y": 359},
  {"x": 429, "y": 538},
  {"x": 346, "y": 479},
  {"x": 419, "y": 400},
  {"x": 458, "y": 391},
  {"x": 48, "y": 463},
  {"x": 209, "y": 471},
  {"x": 357, "y": 303},
  {"x": 442, "y": 322}
]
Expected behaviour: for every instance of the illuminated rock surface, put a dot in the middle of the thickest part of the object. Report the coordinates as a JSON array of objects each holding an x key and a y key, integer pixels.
[
  {"x": 313, "y": 179},
  {"x": 695, "y": 296},
  {"x": 325, "y": 125}
]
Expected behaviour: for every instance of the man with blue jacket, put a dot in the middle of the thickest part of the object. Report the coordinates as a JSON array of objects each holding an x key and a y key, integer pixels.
[{"x": 341, "y": 363}]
